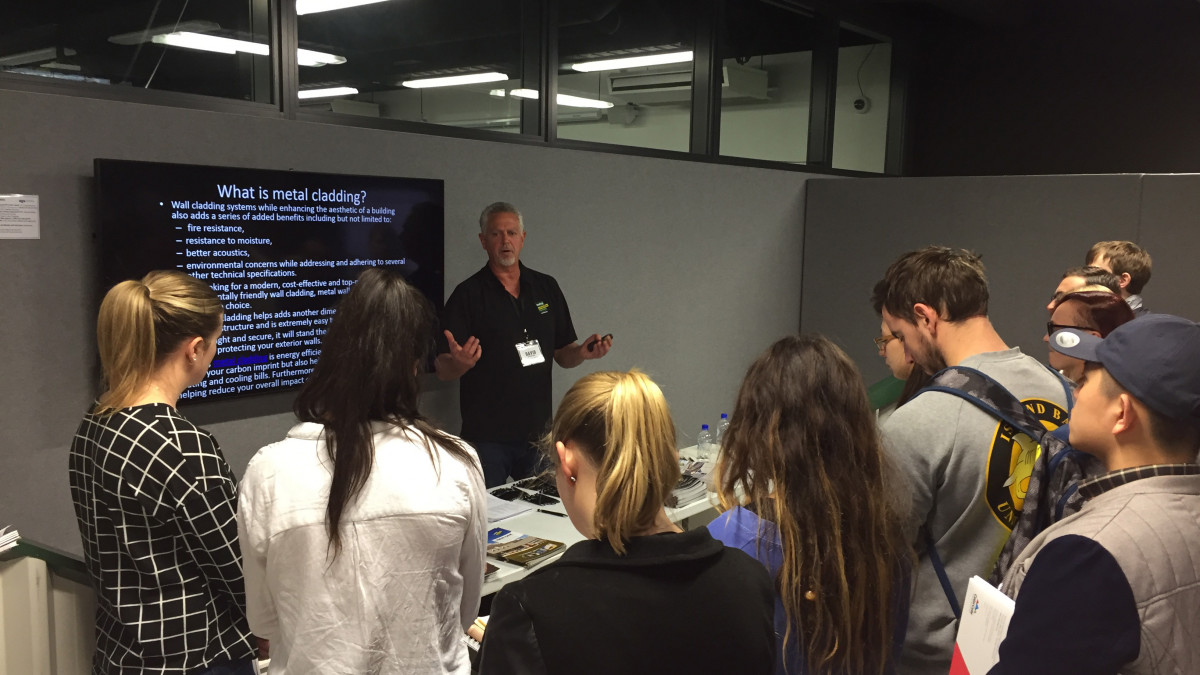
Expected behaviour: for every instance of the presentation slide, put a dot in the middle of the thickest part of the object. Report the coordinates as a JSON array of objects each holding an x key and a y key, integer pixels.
[{"x": 278, "y": 247}]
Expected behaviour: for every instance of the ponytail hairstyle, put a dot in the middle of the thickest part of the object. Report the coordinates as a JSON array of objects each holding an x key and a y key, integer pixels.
[
  {"x": 367, "y": 372},
  {"x": 623, "y": 426},
  {"x": 141, "y": 322},
  {"x": 803, "y": 451}
]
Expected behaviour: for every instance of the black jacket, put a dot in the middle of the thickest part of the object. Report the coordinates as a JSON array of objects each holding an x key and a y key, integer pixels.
[{"x": 674, "y": 603}]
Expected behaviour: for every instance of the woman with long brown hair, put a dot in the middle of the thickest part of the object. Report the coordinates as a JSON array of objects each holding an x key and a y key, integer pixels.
[
  {"x": 363, "y": 530},
  {"x": 638, "y": 595},
  {"x": 154, "y": 498},
  {"x": 803, "y": 484}
]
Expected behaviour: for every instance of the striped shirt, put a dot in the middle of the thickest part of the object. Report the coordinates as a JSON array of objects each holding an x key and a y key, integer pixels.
[{"x": 155, "y": 503}]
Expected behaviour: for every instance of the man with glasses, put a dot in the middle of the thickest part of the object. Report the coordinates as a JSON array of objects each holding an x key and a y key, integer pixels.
[
  {"x": 1076, "y": 278},
  {"x": 966, "y": 471},
  {"x": 897, "y": 361}
]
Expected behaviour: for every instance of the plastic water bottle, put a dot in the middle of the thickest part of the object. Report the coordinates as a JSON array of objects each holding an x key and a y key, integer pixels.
[
  {"x": 704, "y": 442},
  {"x": 721, "y": 427}
]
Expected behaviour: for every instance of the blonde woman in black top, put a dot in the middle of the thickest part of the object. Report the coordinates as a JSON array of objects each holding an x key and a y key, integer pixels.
[
  {"x": 154, "y": 498},
  {"x": 638, "y": 595}
]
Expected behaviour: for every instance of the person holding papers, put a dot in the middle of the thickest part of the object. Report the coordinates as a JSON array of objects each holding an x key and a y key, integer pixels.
[
  {"x": 363, "y": 531},
  {"x": 804, "y": 488},
  {"x": 1115, "y": 588},
  {"x": 639, "y": 595}
]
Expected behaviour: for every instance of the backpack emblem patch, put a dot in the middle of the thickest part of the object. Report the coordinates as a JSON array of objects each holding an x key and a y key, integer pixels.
[{"x": 1011, "y": 459}]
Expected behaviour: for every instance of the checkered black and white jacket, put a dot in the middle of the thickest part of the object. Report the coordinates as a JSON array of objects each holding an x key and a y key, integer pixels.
[{"x": 155, "y": 503}]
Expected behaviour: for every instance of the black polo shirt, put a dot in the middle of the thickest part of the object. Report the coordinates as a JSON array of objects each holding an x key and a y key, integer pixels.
[{"x": 500, "y": 399}]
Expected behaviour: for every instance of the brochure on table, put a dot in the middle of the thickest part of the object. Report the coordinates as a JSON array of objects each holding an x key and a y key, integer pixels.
[{"x": 536, "y": 522}]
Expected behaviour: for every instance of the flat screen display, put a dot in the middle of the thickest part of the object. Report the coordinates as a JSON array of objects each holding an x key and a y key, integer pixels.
[{"x": 278, "y": 247}]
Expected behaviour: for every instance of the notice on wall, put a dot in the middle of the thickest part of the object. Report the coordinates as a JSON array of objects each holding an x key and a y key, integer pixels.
[{"x": 19, "y": 217}]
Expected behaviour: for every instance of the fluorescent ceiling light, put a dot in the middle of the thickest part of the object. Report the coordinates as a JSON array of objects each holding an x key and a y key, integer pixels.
[
  {"x": 224, "y": 45},
  {"x": 314, "y": 6},
  {"x": 55, "y": 65},
  {"x": 472, "y": 78},
  {"x": 632, "y": 62},
  {"x": 140, "y": 36},
  {"x": 564, "y": 99},
  {"x": 580, "y": 102},
  {"x": 330, "y": 91},
  {"x": 33, "y": 56},
  {"x": 210, "y": 43},
  {"x": 307, "y": 57}
]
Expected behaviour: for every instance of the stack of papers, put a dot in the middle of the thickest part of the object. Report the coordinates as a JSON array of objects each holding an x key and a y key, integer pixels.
[
  {"x": 693, "y": 484},
  {"x": 687, "y": 490},
  {"x": 499, "y": 509},
  {"x": 982, "y": 628},
  {"x": 8, "y": 539}
]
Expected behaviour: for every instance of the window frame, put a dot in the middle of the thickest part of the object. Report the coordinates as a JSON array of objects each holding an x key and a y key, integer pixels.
[{"x": 539, "y": 68}]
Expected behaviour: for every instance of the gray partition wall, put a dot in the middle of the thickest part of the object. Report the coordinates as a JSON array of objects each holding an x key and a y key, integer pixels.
[
  {"x": 1027, "y": 228},
  {"x": 693, "y": 267}
]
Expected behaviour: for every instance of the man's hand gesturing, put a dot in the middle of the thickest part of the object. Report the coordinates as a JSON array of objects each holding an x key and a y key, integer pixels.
[{"x": 466, "y": 355}]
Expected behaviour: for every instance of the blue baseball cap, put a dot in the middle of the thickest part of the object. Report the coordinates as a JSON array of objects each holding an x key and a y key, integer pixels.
[{"x": 1155, "y": 357}]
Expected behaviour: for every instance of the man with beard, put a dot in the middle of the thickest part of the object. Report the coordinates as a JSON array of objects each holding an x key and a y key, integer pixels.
[
  {"x": 501, "y": 328},
  {"x": 965, "y": 470}
]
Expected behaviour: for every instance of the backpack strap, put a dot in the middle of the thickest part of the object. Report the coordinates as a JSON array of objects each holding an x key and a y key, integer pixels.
[
  {"x": 940, "y": 570},
  {"x": 1068, "y": 389},
  {"x": 998, "y": 402},
  {"x": 987, "y": 394},
  {"x": 1061, "y": 507}
]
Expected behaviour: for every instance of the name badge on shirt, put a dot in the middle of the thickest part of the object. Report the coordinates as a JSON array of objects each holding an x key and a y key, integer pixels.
[{"x": 530, "y": 353}]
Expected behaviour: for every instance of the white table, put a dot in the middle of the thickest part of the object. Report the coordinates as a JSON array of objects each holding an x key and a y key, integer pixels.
[{"x": 560, "y": 529}]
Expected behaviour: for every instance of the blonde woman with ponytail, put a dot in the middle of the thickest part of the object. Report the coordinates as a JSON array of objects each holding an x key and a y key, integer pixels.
[
  {"x": 154, "y": 498},
  {"x": 638, "y": 595},
  {"x": 804, "y": 488}
]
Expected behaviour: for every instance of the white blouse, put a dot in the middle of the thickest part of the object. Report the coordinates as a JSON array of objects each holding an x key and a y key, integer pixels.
[{"x": 406, "y": 583}]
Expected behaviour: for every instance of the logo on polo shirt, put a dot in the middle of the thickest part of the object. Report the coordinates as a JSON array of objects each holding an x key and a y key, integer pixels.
[
  {"x": 1011, "y": 460},
  {"x": 543, "y": 307}
]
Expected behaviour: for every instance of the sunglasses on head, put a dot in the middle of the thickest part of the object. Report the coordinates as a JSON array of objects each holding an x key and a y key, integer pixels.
[{"x": 1051, "y": 327}]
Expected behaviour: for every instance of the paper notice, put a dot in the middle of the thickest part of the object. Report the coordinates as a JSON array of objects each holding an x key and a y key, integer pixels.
[
  {"x": 19, "y": 217},
  {"x": 982, "y": 628}
]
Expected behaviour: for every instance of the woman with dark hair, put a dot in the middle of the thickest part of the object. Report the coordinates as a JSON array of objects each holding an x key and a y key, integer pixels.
[
  {"x": 639, "y": 595},
  {"x": 154, "y": 498},
  {"x": 804, "y": 487},
  {"x": 1097, "y": 312},
  {"x": 363, "y": 530}
]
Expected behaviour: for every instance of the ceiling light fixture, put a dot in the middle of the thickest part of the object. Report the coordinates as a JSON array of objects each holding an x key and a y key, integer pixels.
[
  {"x": 314, "y": 6},
  {"x": 564, "y": 99},
  {"x": 34, "y": 56},
  {"x": 327, "y": 92},
  {"x": 55, "y": 65},
  {"x": 632, "y": 62},
  {"x": 453, "y": 80},
  {"x": 224, "y": 45},
  {"x": 140, "y": 36}
]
